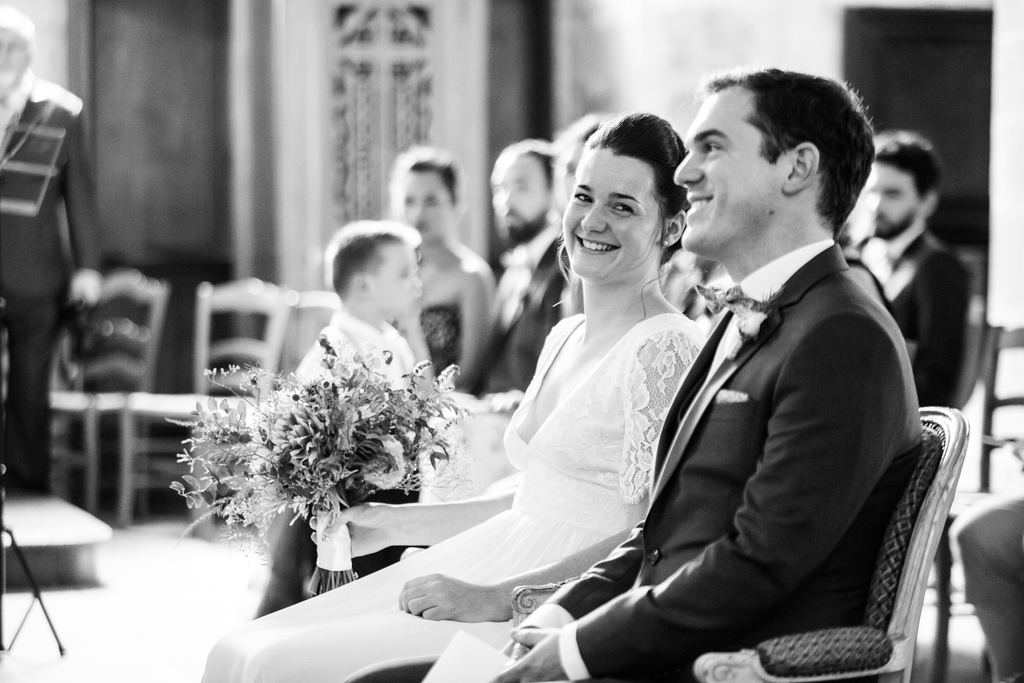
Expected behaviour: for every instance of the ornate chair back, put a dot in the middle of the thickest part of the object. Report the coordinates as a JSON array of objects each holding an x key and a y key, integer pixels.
[
  {"x": 931, "y": 490},
  {"x": 884, "y": 645}
]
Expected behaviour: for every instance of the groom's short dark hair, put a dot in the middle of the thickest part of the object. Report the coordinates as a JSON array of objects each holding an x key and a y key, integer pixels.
[{"x": 790, "y": 108}]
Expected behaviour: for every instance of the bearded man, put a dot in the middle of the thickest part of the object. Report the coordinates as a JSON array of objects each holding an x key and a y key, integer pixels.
[
  {"x": 925, "y": 283},
  {"x": 530, "y": 289}
]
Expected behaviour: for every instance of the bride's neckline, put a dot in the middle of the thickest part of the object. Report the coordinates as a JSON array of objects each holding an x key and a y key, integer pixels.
[{"x": 528, "y": 404}]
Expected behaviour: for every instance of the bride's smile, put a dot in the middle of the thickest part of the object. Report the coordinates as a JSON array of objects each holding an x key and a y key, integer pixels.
[{"x": 614, "y": 223}]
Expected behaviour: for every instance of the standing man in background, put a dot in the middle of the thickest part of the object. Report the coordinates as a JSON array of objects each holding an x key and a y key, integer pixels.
[
  {"x": 530, "y": 290},
  {"x": 48, "y": 253},
  {"x": 925, "y": 283}
]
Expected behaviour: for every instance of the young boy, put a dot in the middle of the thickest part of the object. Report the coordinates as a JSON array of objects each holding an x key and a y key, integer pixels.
[{"x": 372, "y": 267}]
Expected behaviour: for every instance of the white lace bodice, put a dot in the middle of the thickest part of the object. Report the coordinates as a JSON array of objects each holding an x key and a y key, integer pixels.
[{"x": 589, "y": 464}]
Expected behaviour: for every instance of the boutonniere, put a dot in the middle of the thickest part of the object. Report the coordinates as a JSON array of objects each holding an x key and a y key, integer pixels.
[{"x": 749, "y": 313}]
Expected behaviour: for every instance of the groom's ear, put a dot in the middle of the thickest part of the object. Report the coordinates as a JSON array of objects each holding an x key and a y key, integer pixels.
[{"x": 801, "y": 167}]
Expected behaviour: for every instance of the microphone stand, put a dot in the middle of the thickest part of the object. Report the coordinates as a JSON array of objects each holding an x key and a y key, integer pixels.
[{"x": 36, "y": 594}]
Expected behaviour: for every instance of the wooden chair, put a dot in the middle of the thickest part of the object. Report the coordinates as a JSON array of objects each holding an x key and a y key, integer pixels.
[
  {"x": 996, "y": 340},
  {"x": 884, "y": 645},
  {"x": 251, "y": 342},
  {"x": 311, "y": 312},
  {"x": 117, "y": 354},
  {"x": 978, "y": 336}
]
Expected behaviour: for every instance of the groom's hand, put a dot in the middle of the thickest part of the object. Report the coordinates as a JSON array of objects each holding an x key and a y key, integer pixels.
[{"x": 541, "y": 663}]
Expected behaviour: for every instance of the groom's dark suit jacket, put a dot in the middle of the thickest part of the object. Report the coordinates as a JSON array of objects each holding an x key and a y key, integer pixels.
[{"x": 774, "y": 485}]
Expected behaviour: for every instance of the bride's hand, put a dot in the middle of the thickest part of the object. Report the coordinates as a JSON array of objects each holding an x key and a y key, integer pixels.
[
  {"x": 372, "y": 526},
  {"x": 438, "y": 597}
]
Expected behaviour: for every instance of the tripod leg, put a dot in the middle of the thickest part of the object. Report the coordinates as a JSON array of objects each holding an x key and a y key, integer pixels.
[{"x": 36, "y": 594}]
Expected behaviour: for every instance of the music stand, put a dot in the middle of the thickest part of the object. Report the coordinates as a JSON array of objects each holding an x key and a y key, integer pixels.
[
  {"x": 28, "y": 164},
  {"x": 26, "y": 167}
]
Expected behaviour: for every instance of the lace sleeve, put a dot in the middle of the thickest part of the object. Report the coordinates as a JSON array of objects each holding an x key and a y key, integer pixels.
[{"x": 655, "y": 375}]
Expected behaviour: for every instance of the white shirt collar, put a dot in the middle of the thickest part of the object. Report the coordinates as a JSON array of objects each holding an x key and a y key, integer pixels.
[
  {"x": 15, "y": 103},
  {"x": 769, "y": 278},
  {"x": 897, "y": 246}
]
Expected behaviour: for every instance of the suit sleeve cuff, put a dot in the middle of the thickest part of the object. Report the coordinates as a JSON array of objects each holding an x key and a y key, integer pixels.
[
  {"x": 569, "y": 654},
  {"x": 548, "y": 616}
]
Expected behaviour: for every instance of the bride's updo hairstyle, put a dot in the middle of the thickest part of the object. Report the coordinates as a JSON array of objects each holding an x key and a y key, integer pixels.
[{"x": 652, "y": 140}]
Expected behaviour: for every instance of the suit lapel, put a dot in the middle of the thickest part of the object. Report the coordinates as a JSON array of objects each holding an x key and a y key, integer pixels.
[
  {"x": 691, "y": 410},
  {"x": 696, "y": 408},
  {"x": 692, "y": 381},
  {"x": 35, "y": 113},
  {"x": 537, "y": 281}
]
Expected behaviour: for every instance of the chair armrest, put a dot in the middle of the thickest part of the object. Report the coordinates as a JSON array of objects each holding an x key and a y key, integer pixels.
[
  {"x": 526, "y": 599},
  {"x": 817, "y": 655}
]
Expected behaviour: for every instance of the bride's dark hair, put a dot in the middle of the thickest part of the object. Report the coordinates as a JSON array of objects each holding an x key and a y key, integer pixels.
[{"x": 652, "y": 140}]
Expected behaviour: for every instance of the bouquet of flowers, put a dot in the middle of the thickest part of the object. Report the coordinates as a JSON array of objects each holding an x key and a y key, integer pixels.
[{"x": 315, "y": 446}]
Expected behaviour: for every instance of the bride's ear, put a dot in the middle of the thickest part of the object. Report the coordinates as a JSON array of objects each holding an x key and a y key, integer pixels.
[{"x": 673, "y": 230}]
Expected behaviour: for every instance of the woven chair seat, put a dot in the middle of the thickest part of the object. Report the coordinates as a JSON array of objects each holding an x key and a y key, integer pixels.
[{"x": 824, "y": 652}]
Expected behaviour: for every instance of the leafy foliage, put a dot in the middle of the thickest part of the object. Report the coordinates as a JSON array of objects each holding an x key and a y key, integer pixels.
[{"x": 315, "y": 446}]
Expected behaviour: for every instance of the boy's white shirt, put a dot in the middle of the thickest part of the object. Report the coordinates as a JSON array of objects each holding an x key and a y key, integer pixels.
[{"x": 345, "y": 327}]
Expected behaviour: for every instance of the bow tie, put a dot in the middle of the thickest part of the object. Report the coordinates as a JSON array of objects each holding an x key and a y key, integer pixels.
[{"x": 733, "y": 299}]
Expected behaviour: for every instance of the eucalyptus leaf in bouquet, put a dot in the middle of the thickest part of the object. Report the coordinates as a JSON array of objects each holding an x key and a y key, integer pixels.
[{"x": 315, "y": 446}]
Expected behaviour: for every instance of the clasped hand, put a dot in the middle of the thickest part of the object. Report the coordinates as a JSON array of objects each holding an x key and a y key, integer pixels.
[{"x": 534, "y": 653}]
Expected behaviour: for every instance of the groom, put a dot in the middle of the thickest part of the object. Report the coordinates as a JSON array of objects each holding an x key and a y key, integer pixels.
[{"x": 794, "y": 432}]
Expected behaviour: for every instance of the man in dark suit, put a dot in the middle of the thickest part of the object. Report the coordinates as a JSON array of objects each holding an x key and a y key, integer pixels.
[
  {"x": 41, "y": 243},
  {"x": 925, "y": 283},
  {"x": 795, "y": 431},
  {"x": 530, "y": 289},
  {"x": 793, "y": 434}
]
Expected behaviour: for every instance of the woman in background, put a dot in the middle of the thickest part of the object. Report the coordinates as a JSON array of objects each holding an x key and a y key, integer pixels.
[{"x": 458, "y": 285}]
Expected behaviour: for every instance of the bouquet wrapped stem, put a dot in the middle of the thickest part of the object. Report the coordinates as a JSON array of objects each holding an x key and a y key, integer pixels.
[{"x": 333, "y": 557}]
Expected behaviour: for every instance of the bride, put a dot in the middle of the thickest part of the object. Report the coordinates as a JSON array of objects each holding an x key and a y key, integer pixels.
[{"x": 584, "y": 437}]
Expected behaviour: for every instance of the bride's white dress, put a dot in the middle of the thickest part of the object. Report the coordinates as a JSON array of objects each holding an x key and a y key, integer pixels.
[{"x": 586, "y": 476}]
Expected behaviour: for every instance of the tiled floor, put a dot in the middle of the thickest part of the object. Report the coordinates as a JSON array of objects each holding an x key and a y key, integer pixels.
[{"x": 164, "y": 601}]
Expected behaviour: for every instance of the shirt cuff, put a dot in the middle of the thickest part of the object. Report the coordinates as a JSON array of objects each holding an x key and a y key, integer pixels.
[
  {"x": 548, "y": 616},
  {"x": 569, "y": 653}
]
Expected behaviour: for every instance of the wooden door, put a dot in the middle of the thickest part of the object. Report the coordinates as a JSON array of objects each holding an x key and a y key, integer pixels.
[
  {"x": 931, "y": 71},
  {"x": 157, "y": 104}
]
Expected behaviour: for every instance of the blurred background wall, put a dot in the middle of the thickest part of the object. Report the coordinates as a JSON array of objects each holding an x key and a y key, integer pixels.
[{"x": 231, "y": 137}]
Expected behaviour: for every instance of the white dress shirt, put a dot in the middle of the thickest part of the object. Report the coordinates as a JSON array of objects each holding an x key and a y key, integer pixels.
[
  {"x": 12, "y": 106},
  {"x": 759, "y": 285},
  {"x": 880, "y": 256},
  {"x": 346, "y": 327}
]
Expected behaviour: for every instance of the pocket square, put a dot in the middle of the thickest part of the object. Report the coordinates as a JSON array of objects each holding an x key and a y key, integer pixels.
[{"x": 730, "y": 396}]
